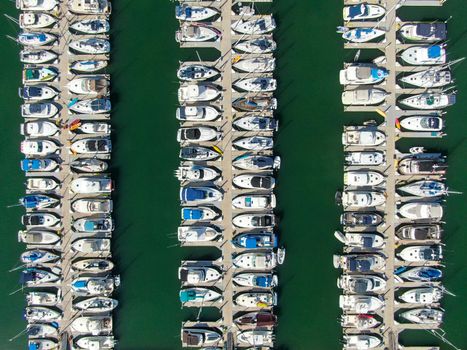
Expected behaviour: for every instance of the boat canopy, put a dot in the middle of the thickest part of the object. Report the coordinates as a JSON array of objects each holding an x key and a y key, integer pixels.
[
  {"x": 187, "y": 295},
  {"x": 358, "y": 10},
  {"x": 29, "y": 275},
  {"x": 359, "y": 264},
  {"x": 32, "y": 201},
  {"x": 184, "y": 10},
  {"x": 434, "y": 51},
  {"x": 359, "y": 32},
  {"x": 194, "y": 194},
  {"x": 264, "y": 281},
  {"x": 80, "y": 284},
  {"x": 437, "y": 30},
  {"x": 192, "y": 214}
]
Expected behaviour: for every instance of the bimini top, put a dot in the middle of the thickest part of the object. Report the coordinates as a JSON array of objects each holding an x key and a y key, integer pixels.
[
  {"x": 437, "y": 30},
  {"x": 193, "y": 194},
  {"x": 361, "y": 265},
  {"x": 360, "y": 31},
  {"x": 358, "y": 10},
  {"x": 187, "y": 295},
  {"x": 80, "y": 284},
  {"x": 192, "y": 214},
  {"x": 434, "y": 51},
  {"x": 264, "y": 281}
]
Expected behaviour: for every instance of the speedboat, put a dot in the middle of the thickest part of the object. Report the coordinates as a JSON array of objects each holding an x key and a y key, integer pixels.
[
  {"x": 198, "y": 93},
  {"x": 42, "y": 344},
  {"x": 196, "y": 72},
  {"x": 258, "y": 26},
  {"x": 431, "y": 78},
  {"x": 362, "y": 11},
  {"x": 255, "y": 280},
  {"x": 363, "y": 138},
  {"x": 365, "y": 158},
  {"x": 424, "y": 316},
  {"x": 36, "y": 5},
  {"x": 37, "y": 93},
  {"x": 201, "y": 194},
  {"x": 198, "y": 134},
  {"x": 42, "y": 330},
  {"x": 38, "y": 148},
  {"x": 255, "y": 65},
  {"x": 419, "y": 232},
  {"x": 422, "y": 123},
  {"x": 255, "y": 240},
  {"x": 197, "y": 153},
  {"x": 362, "y": 35},
  {"x": 39, "y": 184},
  {"x": 361, "y": 284},
  {"x": 427, "y": 32},
  {"x": 88, "y": 66},
  {"x": 362, "y": 199},
  {"x": 92, "y": 46},
  {"x": 101, "y": 342},
  {"x": 256, "y": 123},
  {"x": 38, "y": 110},
  {"x": 424, "y": 55},
  {"x": 36, "y": 56},
  {"x": 31, "y": 20},
  {"x": 92, "y": 265},
  {"x": 40, "y": 220},
  {"x": 91, "y": 26},
  {"x": 36, "y": 39},
  {"x": 92, "y": 106},
  {"x": 429, "y": 101},
  {"x": 258, "y": 46},
  {"x": 94, "y": 128},
  {"x": 94, "y": 225},
  {"x": 38, "y": 237},
  {"x": 42, "y": 298},
  {"x": 38, "y": 75},
  {"x": 361, "y": 240},
  {"x": 196, "y": 33},
  {"x": 363, "y": 97},
  {"x": 33, "y": 277},
  {"x": 197, "y": 234},
  {"x": 198, "y": 214},
  {"x": 362, "y": 73},
  {"x": 422, "y": 211},
  {"x": 197, "y": 113},
  {"x": 360, "y": 303},
  {"x": 417, "y": 166},
  {"x": 422, "y": 253},
  {"x": 255, "y": 104},
  {"x": 256, "y": 162},
  {"x": 426, "y": 296},
  {"x": 256, "y": 319},
  {"x": 92, "y": 206},
  {"x": 94, "y": 325},
  {"x": 39, "y": 165},
  {"x": 91, "y": 245},
  {"x": 359, "y": 322},
  {"x": 90, "y": 7},
  {"x": 255, "y": 261},
  {"x": 38, "y": 201},
  {"x": 41, "y": 314},
  {"x": 257, "y": 337},
  {"x": 254, "y": 201},
  {"x": 89, "y": 85},
  {"x": 254, "y": 143},
  {"x": 194, "y": 173},
  {"x": 91, "y": 185},
  {"x": 256, "y": 84},
  {"x": 194, "y": 13},
  {"x": 353, "y": 219},
  {"x": 363, "y": 178},
  {"x": 92, "y": 146},
  {"x": 256, "y": 299},
  {"x": 196, "y": 337},
  {"x": 421, "y": 274},
  {"x": 96, "y": 305},
  {"x": 89, "y": 165},
  {"x": 199, "y": 295},
  {"x": 359, "y": 262},
  {"x": 87, "y": 286},
  {"x": 38, "y": 129},
  {"x": 194, "y": 275},
  {"x": 255, "y": 220},
  {"x": 425, "y": 188},
  {"x": 361, "y": 341}
]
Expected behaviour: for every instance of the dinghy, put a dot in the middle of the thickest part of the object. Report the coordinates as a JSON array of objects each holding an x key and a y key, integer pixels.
[
  {"x": 254, "y": 220},
  {"x": 31, "y": 20},
  {"x": 256, "y": 280},
  {"x": 92, "y": 146},
  {"x": 40, "y": 220},
  {"x": 91, "y": 46},
  {"x": 197, "y": 113},
  {"x": 94, "y": 325},
  {"x": 92, "y": 206},
  {"x": 39, "y": 184},
  {"x": 255, "y": 65},
  {"x": 363, "y": 97},
  {"x": 363, "y": 138},
  {"x": 421, "y": 274},
  {"x": 424, "y": 316},
  {"x": 361, "y": 240},
  {"x": 96, "y": 305},
  {"x": 255, "y": 104},
  {"x": 255, "y": 162},
  {"x": 254, "y": 143},
  {"x": 90, "y": 85},
  {"x": 263, "y": 25},
  {"x": 94, "y": 225},
  {"x": 93, "y": 286},
  {"x": 194, "y": 173},
  {"x": 38, "y": 129},
  {"x": 425, "y": 188},
  {"x": 431, "y": 78},
  {"x": 194, "y": 13},
  {"x": 362, "y": 35},
  {"x": 198, "y": 153},
  {"x": 422, "y": 211},
  {"x": 39, "y": 110},
  {"x": 91, "y": 26},
  {"x": 253, "y": 181},
  {"x": 88, "y": 66},
  {"x": 38, "y": 237},
  {"x": 199, "y": 295},
  {"x": 424, "y": 55},
  {"x": 36, "y": 5},
  {"x": 256, "y": 240},
  {"x": 39, "y": 165},
  {"x": 199, "y": 195},
  {"x": 38, "y": 148},
  {"x": 359, "y": 262},
  {"x": 260, "y": 45},
  {"x": 361, "y": 342},
  {"x": 256, "y": 84},
  {"x": 256, "y": 300},
  {"x": 198, "y": 134},
  {"x": 425, "y": 296},
  {"x": 92, "y": 265},
  {"x": 197, "y": 93},
  {"x": 195, "y": 275},
  {"x": 254, "y": 201},
  {"x": 429, "y": 101},
  {"x": 360, "y": 219},
  {"x": 90, "y": 7},
  {"x": 362, "y": 199},
  {"x": 419, "y": 232},
  {"x": 362, "y": 74},
  {"x": 365, "y": 158},
  {"x": 422, "y": 253},
  {"x": 37, "y": 93},
  {"x": 197, "y": 33},
  {"x": 36, "y": 56},
  {"x": 256, "y": 261},
  {"x": 196, "y": 72},
  {"x": 361, "y": 284},
  {"x": 91, "y": 185},
  {"x": 363, "y": 11},
  {"x": 198, "y": 214},
  {"x": 38, "y": 75},
  {"x": 427, "y": 32},
  {"x": 360, "y": 303},
  {"x": 89, "y": 165},
  {"x": 91, "y": 245},
  {"x": 36, "y": 39},
  {"x": 197, "y": 234},
  {"x": 363, "y": 178}
]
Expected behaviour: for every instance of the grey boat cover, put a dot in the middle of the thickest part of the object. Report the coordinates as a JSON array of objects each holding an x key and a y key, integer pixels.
[
  {"x": 435, "y": 30},
  {"x": 363, "y": 72}
]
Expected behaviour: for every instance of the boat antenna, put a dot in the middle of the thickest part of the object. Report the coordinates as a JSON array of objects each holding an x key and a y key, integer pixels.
[
  {"x": 11, "y": 18},
  {"x": 449, "y": 18},
  {"x": 18, "y": 335},
  {"x": 14, "y": 205},
  {"x": 441, "y": 335},
  {"x": 16, "y": 291},
  {"x": 11, "y": 37},
  {"x": 199, "y": 57}
]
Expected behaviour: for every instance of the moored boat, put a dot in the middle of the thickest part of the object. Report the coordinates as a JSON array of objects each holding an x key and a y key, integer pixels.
[
  {"x": 255, "y": 65},
  {"x": 259, "y": 45},
  {"x": 431, "y": 78},
  {"x": 92, "y": 146},
  {"x": 91, "y": 26},
  {"x": 363, "y": 97},
  {"x": 422, "y": 211},
  {"x": 422, "y": 253},
  {"x": 198, "y": 153},
  {"x": 36, "y": 39},
  {"x": 361, "y": 341},
  {"x": 89, "y": 165},
  {"x": 96, "y": 304},
  {"x": 428, "y": 100},
  {"x": 91, "y": 245},
  {"x": 38, "y": 110},
  {"x": 201, "y": 92},
  {"x": 200, "y": 194},
  {"x": 425, "y": 296},
  {"x": 194, "y": 173},
  {"x": 424, "y": 316},
  {"x": 362, "y": 284},
  {"x": 92, "y": 206},
  {"x": 96, "y": 265},
  {"x": 196, "y": 33},
  {"x": 363, "y": 11},
  {"x": 365, "y": 158},
  {"x": 255, "y": 261},
  {"x": 39, "y": 5},
  {"x": 91, "y": 106},
  {"x": 197, "y": 113},
  {"x": 254, "y": 220},
  {"x": 363, "y": 138},
  {"x": 420, "y": 274},
  {"x": 194, "y": 13},
  {"x": 258, "y": 26},
  {"x": 425, "y": 188},
  {"x": 197, "y": 234},
  {"x": 424, "y": 55},
  {"x": 196, "y": 72},
  {"x": 199, "y": 295},
  {"x": 38, "y": 237},
  {"x": 254, "y": 143},
  {"x": 36, "y": 56},
  {"x": 360, "y": 303},
  {"x": 92, "y": 46},
  {"x": 256, "y": 299},
  {"x": 38, "y": 129},
  {"x": 255, "y": 280},
  {"x": 256, "y": 162},
  {"x": 362, "y": 73},
  {"x": 88, "y": 66},
  {"x": 32, "y": 20},
  {"x": 419, "y": 232},
  {"x": 360, "y": 219},
  {"x": 422, "y": 123},
  {"x": 426, "y": 32},
  {"x": 94, "y": 224},
  {"x": 363, "y": 178},
  {"x": 362, "y": 35},
  {"x": 90, "y": 7},
  {"x": 198, "y": 214}
]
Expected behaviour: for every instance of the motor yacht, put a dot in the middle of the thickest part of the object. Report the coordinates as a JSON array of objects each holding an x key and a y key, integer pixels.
[
  {"x": 256, "y": 123},
  {"x": 422, "y": 166},
  {"x": 33, "y": 277},
  {"x": 102, "y": 342},
  {"x": 42, "y": 314},
  {"x": 34, "y": 56},
  {"x": 362, "y": 199},
  {"x": 431, "y": 78},
  {"x": 254, "y": 143},
  {"x": 197, "y": 113},
  {"x": 256, "y": 162},
  {"x": 89, "y": 165},
  {"x": 360, "y": 219},
  {"x": 255, "y": 280},
  {"x": 361, "y": 240},
  {"x": 196, "y": 337},
  {"x": 199, "y": 295},
  {"x": 362, "y": 35},
  {"x": 193, "y": 173},
  {"x": 197, "y": 153},
  {"x": 255, "y": 104},
  {"x": 38, "y": 75},
  {"x": 419, "y": 232},
  {"x": 255, "y": 240},
  {"x": 201, "y": 92},
  {"x": 38, "y": 129},
  {"x": 256, "y": 319},
  {"x": 363, "y": 178},
  {"x": 92, "y": 206},
  {"x": 94, "y": 325},
  {"x": 363, "y": 138},
  {"x": 365, "y": 158},
  {"x": 256, "y": 337},
  {"x": 253, "y": 181},
  {"x": 425, "y": 296},
  {"x": 422, "y": 211},
  {"x": 36, "y": 39},
  {"x": 256, "y": 84},
  {"x": 91, "y": 245},
  {"x": 36, "y": 5},
  {"x": 254, "y": 201},
  {"x": 428, "y": 101},
  {"x": 425, "y": 188},
  {"x": 91, "y": 46},
  {"x": 194, "y": 13},
  {"x": 424, "y": 55},
  {"x": 362, "y": 74},
  {"x": 90, "y": 7},
  {"x": 360, "y": 303},
  {"x": 424, "y": 316},
  {"x": 38, "y": 110},
  {"x": 258, "y": 26},
  {"x": 198, "y": 214},
  {"x": 41, "y": 148},
  {"x": 40, "y": 220},
  {"x": 426, "y": 32},
  {"x": 420, "y": 274},
  {"x": 254, "y": 220},
  {"x": 363, "y": 97},
  {"x": 198, "y": 134},
  {"x": 422, "y": 123},
  {"x": 421, "y": 253},
  {"x": 197, "y": 33},
  {"x": 91, "y": 106},
  {"x": 100, "y": 224},
  {"x": 39, "y": 184},
  {"x": 38, "y": 237},
  {"x": 96, "y": 265},
  {"x": 361, "y": 342},
  {"x": 91, "y": 26},
  {"x": 363, "y": 11},
  {"x": 37, "y": 93},
  {"x": 91, "y": 185},
  {"x": 94, "y": 286},
  {"x": 360, "y": 322},
  {"x": 192, "y": 234},
  {"x": 199, "y": 195},
  {"x": 361, "y": 284},
  {"x": 42, "y": 298},
  {"x": 92, "y": 146},
  {"x": 196, "y": 275},
  {"x": 38, "y": 165},
  {"x": 88, "y": 66},
  {"x": 255, "y": 65},
  {"x": 260, "y": 45},
  {"x": 196, "y": 72},
  {"x": 256, "y": 261},
  {"x": 96, "y": 305},
  {"x": 90, "y": 85},
  {"x": 256, "y": 299},
  {"x": 92, "y": 128},
  {"x": 359, "y": 262}
]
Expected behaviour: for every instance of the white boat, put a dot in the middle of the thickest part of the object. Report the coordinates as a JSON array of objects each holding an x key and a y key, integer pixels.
[
  {"x": 427, "y": 32},
  {"x": 363, "y": 138},
  {"x": 361, "y": 342},
  {"x": 196, "y": 72},
  {"x": 196, "y": 33},
  {"x": 40, "y": 184},
  {"x": 42, "y": 330},
  {"x": 195, "y": 275},
  {"x": 429, "y": 101},
  {"x": 420, "y": 166},
  {"x": 197, "y": 234},
  {"x": 361, "y": 240},
  {"x": 40, "y": 220},
  {"x": 256, "y": 299},
  {"x": 355, "y": 218},
  {"x": 431, "y": 78},
  {"x": 42, "y": 298},
  {"x": 39, "y": 165},
  {"x": 93, "y": 286},
  {"x": 198, "y": 214},
  {"x": 42, "y": 314},
  {"x": 194, "y": 13},
  {"x": 89, "y": 165},
  {"x": 90, "y": 7},
  {"x": 256, "y": 162},
  {"x": 91, "y": 26},
  {"x": 31, "y": 20},
  {"x": 94, "y": 325},
  {"x": 94, "y": 225},
  {"x": 36, "y": 56},
  {"x": 253, "y": 181},
  {"x": 38, "y": 110},
  {"x": 363, "y": 97},
  {"x": 256, "y": 337},
  {"x": 421, "y": 274},
  {"x": 37, "y": 93},
  {"x": 199, "y": 195},
  {"x": 43, "y": 344},
  {"x": 264, "y": 24},
  {"x": 424, "y": 316},
  {"x": 360, "y": 304},
  {"x": 360, "y": 322},
  {"x": 94, "y": 128},
  {"x": 92, "y": 265},
  {"x": 421, "y": 253},
  {"x": 194, "y": 173},
  {"x": 196, "y": 337},
  {"x": 424, "y": 55},
  {"x": 198, "y": 134},
  {"x": 103, "y": 342},
  {"x": 256, "y": 280},
  {"x": 92, "y": 206},
  {"x": 38, "y": 129},
  {"x": 88, "y": 66},
  {"x": 422, "y": 211},
  {"x": 362, "y": 11},
  {"x": 197, "y": 93},
  {"x": 38, "y": 148},
  {"x": 196, "y": 153},
  {"x": 359, "y": 262},
  {"x": 92, "y": 146},
  {"x": 256, "y": 84},
  {"x": 89, "y": 85},
  {"x": 419, "y": 232},
  {"x": 365, "y": 158},
  {"x": 36, "y": 5},
  {"x": 422, "y": 123},
  {"x": 38, "y": 75},
  {"x": 255, "y": 220},
  {"x": 92, "y": 46},
  {"x": 259, "y": 45},
  {"x": 36, "y": 39},
  {"x": 362, "y": 35},
  {"x": 91, "y": 185},
  {"x": 254, "y": 201},
  {"x": 38, "y": 237},
  {"x": 363, "y": 178},
  {"x": 425, "y": 296},
  {"x": 197, "y": 113},
  {"x": 425, "y": 188},
  {"x": 198, "y": 295},
  {"x": 255, "y": 261},
  {"x": 255, "y": 65},
  {"x": 96, "y": 305},
  {"x": 361, "y": 284},
  {"x": 254, "y": 143},
  {"x": 34, "y": 277},
  {"x": 91, "y": 245},
  {"x": 256, "y": 123},
  {"x": 362, "y": 73},
  {"x": 362, "y": 199}
]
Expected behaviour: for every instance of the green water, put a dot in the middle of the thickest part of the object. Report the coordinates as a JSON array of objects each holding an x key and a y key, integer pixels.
[{"x": 145, "y": 58}]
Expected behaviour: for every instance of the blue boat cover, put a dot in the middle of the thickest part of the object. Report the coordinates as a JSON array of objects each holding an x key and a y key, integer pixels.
[
  {"x": 89, "y": 225},
  {"x": 33, "y": 201},
  {"x": 80, "y": 284},
  {"x": 192, "y": 214},
  {"x": 187, "y": 295},
  {"x": 430, "y": 273},
  {"x": 360, "y": 31},
  {"x": 263, "y": 281},
  {"x": 34, "y": 346},
  {"x": 29, "y": 275},
  {"x": 251, "y": 242},
  {"x": 434, "y": 51},
  {"x": 193, "y": 194},
  {"x": 358, "y": 10},
  {"x": 33, "y": 255},
  {"x": 30, "y": 164}
]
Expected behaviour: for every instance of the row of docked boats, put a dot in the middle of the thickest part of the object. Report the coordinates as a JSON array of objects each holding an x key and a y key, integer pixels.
[
  {"x": 228, "y": 202},
  {"x": 66, "y": 150}
]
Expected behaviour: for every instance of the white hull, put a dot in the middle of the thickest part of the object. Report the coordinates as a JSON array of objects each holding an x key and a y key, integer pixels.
[
  {"x": 38, "y": 110},
  {"x": 363, "y": 97},
  {"x": 44, "y": 5},
  {"x": 256, "y": 84},
  {"x": 92, "y": 146},
  {"x": 197, "y": 93},
  {"x": 194, "y": 13},
  {"x": 362, "y": 11},
  {"x": 365, "y": 158},
  {"x": 422, "y": 123},
  {"x": 91, "y": 245},
  {"x": 255, "y": 261},
  {"x": 197, "y": 113},
  {"x": 92, "y": 26},
  {"x": 424, "y": 55},
  {"x": 429, "y": 101},
  {"x": 422, "y": 211},
  {"x": 91, "y": 46},
  {"x": 429, "y": 79},
  {"x": 36, "y": 56},
  {"x": 254, "y": 143},
  {"x": 93, "y": 106},
  {"x": 360, "y": 303},
  {"x": 263, "y": 25},
  {"x": 254, "y": 202},
  {"x": 363, "y": 35},
  {"x": 38, "y": 129},
  {"x": 38, "y": 237},
  {"x": 256, "y": 300},
  {"x": 196, "y": 33},
  {"x": 260, "y": 45},
  {"x": 36, "y": 184},
  {"x": 256, "y": 65},
  {"x": 29, "y": 20},
  {"x": 88, "y": 66},
  {"x": 361, "y": 342},
  {"x": 362, "y": 199},
  {"x": 363, "y": 178},
  {"x": 90, "y": 7},
  {"x": 247, "y": 181}
]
